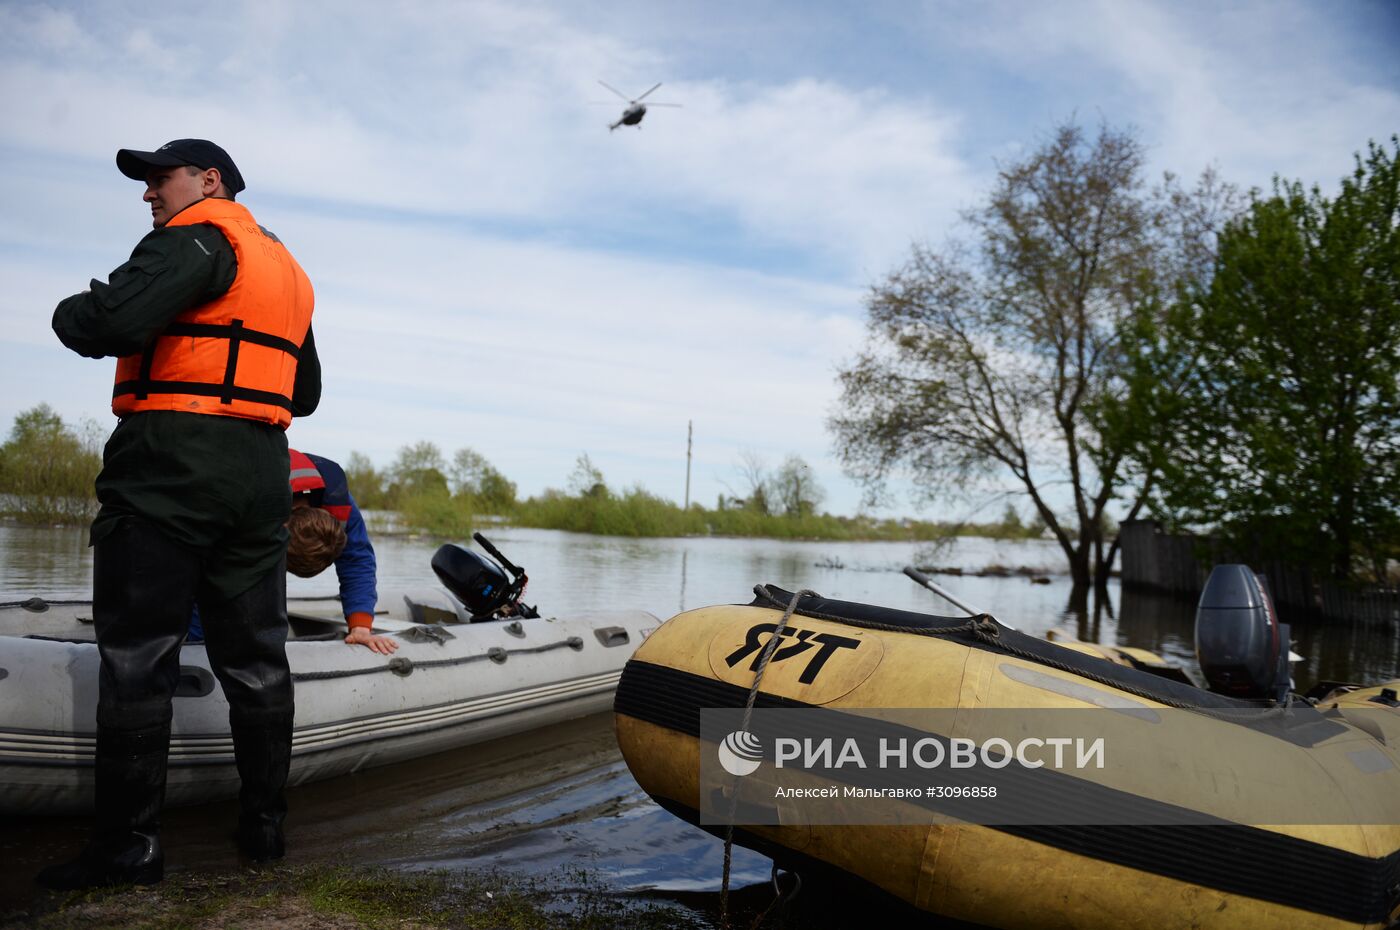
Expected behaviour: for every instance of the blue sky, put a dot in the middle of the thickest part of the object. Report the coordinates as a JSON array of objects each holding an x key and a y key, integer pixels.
[{"x": 494, "y": 269}]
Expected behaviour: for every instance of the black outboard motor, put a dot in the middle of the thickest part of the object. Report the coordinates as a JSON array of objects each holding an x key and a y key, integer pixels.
[
  {"x": 1242, "y": 647},
  {"x": 479, "y": 583}
]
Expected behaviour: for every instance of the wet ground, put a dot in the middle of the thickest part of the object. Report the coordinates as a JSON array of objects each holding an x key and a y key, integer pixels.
[{"x": 557, "y": 805}]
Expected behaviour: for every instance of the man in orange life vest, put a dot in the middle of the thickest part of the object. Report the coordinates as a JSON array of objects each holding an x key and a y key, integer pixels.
[
  {"x": 210, "y": 322},
  {"x": 326, "y": 527}
]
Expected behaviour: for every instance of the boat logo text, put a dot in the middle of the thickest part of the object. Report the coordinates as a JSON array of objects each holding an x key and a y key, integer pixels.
[{"x": 794, "y": 643}]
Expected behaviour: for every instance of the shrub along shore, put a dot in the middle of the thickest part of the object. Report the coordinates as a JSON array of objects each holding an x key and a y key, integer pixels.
[
  {"x": 637, "y": 513},
  {"x": 47, "y": 469}
]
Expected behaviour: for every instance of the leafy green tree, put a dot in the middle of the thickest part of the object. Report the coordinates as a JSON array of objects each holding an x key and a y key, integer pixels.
[
  {"x": 473, "y": 476},
  {"x": 795, "y": 488},
  {"x": 1011, "y": 525},
  {"x": 990, "y": 358},
  {"x": 1278, "y": 381},
  {"x": 367, "y": 484},
  {"x": 47, "y": 468},
  {"x": 418, "y": 470}
]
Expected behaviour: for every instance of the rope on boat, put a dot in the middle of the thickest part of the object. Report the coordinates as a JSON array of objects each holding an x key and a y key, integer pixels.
[
  {"x": 404, "y": 666},
  {"x": 38, "y": 605},
  {"x": 768, "y": 649},
  {"x": 987, "y": 629},
  {"x": 781, "y": 899}
]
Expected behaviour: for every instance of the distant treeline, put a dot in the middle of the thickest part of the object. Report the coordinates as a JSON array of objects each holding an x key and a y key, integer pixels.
[
  {"x": 450, "y": 498},
  {"x": 47, "y": 469}
]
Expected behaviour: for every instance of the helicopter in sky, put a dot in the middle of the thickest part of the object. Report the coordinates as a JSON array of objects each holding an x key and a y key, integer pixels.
[{"x": 632, "y": 116}]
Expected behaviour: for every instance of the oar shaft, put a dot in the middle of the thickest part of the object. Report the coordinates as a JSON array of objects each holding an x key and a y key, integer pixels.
[{"x": 924, "y": 580}]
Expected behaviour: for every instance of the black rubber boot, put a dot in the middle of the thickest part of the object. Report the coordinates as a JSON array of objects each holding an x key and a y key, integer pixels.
[
  {"x": 125, "y": 847},
  {"x": 246, "y": 636},
  {"x": 143, "y": 586},
  {"x": 264, "y": 755},
  {"x": 136, "y": 860}
]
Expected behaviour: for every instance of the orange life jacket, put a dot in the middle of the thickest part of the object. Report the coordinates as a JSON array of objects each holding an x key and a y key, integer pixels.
[{"x": 236, "y": 355}]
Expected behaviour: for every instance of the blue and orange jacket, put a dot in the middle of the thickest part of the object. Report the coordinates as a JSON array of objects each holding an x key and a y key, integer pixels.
[
  {"x": 356, "y": 568},
  {"x": 325, "y": 482}
]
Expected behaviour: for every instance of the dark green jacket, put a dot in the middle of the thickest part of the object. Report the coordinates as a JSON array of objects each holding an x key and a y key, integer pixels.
[{"x": 214, "y": 483}]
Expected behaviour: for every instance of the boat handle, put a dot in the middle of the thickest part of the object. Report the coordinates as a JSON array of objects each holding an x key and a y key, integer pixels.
[{"x": 612, "y": 636}]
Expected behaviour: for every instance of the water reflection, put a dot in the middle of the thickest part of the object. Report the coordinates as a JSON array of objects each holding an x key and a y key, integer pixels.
[
  {"x": 685, "y": 558},
  {"x": 1351, "y": 652},
  {"x": 562, "y": 797},
  {"x": 570, "y": 571},
  {"x": 45, "y": 560},
  {"x": 1165, "y": 625}
]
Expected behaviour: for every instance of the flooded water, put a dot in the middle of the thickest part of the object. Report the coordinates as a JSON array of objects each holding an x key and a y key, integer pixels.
[{"x": 562, "y": 798}]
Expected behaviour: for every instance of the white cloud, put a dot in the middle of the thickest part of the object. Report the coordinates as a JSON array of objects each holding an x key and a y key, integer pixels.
[
  {"x": 478, "y": 112},
  {"x": 528, "y": 352},
  {"x": 607, "y": 354},
  {"x": 854, "y": 174},
  {"x": 41, "y": 27},
  {"x": 1258, "y": 88},
  {"x": 495, "y": 269}
]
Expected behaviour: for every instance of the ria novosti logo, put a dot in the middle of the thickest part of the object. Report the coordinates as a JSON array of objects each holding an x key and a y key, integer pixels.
[{"x": 740, "y": 753}]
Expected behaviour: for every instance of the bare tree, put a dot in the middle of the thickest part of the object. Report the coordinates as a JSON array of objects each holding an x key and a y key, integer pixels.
[
  {"x": 586, "y": 480},
  {"x": 991, "y": 357},
  {"x": 753, "y": 477}
]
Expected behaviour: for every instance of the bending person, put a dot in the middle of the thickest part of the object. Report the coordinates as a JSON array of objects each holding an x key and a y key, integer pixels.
[{"x": 326, "y": 527}]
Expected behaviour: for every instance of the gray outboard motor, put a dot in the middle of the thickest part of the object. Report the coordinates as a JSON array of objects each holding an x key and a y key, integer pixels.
[{"x": 1242, "y": 647}]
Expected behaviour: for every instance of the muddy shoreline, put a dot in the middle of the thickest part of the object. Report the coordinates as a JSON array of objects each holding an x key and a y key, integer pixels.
[{"x": 549, "y": 823}]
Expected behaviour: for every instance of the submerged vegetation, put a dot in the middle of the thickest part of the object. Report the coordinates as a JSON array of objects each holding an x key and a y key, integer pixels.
[
  {"x": 47, "y": 470},
  {"x": 430, "y": 495},
  {"x": 1224, "y": 362}
]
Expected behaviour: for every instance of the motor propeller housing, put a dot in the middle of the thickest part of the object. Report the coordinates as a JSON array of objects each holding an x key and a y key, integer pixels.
[
  {"x": 478, "y": 583},
  {"x": 1240, "y": 643}
]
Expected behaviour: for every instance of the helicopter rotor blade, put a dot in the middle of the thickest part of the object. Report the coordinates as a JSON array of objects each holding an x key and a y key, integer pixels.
[
  {"x": 615, "y": 90},
  {"x": 639, "y": 99},
  {"x": 653, "y": 103}
]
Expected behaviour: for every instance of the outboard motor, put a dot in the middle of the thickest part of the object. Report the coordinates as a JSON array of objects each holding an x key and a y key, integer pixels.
[
  {"x": 479, "y": 583},
  {"x": 1242, "y": 647}
]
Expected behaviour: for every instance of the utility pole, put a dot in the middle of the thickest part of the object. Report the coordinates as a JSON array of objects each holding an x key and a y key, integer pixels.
[{"x": 689, "y": 437}]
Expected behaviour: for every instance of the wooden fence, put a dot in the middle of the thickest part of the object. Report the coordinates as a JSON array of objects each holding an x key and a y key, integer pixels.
[{"x": 1180, "y": 563}]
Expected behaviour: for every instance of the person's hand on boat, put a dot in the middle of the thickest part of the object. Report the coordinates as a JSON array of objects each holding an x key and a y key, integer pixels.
[{"x": 363, "y": 636}]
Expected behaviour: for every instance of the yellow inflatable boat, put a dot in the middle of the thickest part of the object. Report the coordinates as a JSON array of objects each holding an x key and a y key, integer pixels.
[{"x": 1260, "y": 814}]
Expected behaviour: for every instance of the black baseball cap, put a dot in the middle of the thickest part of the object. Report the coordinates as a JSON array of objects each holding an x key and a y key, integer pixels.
[{"x": 197, "y": 153}]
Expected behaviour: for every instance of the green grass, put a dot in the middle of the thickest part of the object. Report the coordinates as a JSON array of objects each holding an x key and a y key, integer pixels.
[{"x": 359, "y": 898}]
